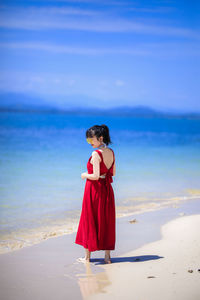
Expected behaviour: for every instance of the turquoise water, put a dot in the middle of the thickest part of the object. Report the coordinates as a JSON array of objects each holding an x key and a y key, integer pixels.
[{"x": 43, "y": 154}]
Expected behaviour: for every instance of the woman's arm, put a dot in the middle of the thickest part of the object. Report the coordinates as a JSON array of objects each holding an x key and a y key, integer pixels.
[
  {"x": 114, "y": 169},
  {"x": 96, "y": 168}
]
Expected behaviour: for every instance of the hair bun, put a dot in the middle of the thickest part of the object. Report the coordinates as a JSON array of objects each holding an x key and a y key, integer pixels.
[{"x": 104, "y": 126}]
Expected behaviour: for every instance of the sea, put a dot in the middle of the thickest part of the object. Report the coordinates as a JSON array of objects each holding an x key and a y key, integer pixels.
[{"x": 42, "y": 156}]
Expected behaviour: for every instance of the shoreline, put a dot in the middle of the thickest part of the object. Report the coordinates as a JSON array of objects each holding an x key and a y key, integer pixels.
[
  {"x": 50, "y": 267},
  {"x": 33, "y": 237}
]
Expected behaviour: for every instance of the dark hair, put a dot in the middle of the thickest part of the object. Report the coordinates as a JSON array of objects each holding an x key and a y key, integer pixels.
[{"x": 99, "y": 130}]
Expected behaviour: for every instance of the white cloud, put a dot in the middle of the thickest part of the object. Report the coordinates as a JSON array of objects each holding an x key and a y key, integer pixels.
[
  {"x": 73, "y": 50},
  {"x": 70, "y": 82},
  {"x": 166, "y": 50},
  {"x": 119, "y": 26},
  {"x": 159, "y": 9},
  {"x": 46, "y": 11},
  {"x": 62, "y": 18},
  {"x": 44, "y": 83},
  {"x": 119, "y": 83},
  {"x": 53, "y": 10}
]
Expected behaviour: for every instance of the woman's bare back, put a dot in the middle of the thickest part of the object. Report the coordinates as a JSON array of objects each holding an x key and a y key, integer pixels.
[{"x": 108, "y": 158}]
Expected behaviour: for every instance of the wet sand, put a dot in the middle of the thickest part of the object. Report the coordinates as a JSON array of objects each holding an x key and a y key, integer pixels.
[{"x": 49, "y": 270}]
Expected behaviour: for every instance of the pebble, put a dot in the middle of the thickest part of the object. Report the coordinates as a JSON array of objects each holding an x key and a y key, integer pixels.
[
  {"x": 181, "y": 214},
  {"x": 151, "y": 277},
  {"x": 133, "y": 221},
  {"x": 190, "y": 271}
]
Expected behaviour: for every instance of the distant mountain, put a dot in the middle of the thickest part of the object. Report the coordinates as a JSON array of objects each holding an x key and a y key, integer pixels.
[
  {"x": 21, "y": 102},
  {"x": 136, "y": 111}
]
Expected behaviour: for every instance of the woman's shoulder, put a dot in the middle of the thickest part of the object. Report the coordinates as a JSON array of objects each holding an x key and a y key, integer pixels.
[
  {"x": 111, "y": 149},
  {"x": 96, "y": 153}
]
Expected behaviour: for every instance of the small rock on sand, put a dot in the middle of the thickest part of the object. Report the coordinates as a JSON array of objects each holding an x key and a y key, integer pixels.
[
  {"x": 133, "y": 221},
  {"x": 181, "y": 214}
]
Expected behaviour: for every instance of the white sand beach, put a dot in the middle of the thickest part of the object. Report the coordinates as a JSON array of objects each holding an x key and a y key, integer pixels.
[
  {"x": 152, "y": 258},
  {"x": 168, "y": 269}
]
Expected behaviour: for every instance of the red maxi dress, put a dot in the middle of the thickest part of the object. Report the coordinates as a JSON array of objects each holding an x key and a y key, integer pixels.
[{"x": 96, "y": 229}]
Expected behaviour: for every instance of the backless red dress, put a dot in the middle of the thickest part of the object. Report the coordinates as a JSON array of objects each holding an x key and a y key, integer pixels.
[{"x": 96, "y": 229}]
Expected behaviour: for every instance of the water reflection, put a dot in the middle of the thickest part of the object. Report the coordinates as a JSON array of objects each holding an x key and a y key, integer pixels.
[{"x": 91, "y": 283}]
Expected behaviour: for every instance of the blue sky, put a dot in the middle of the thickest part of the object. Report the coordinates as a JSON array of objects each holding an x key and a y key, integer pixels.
[{"x": 102, "y": 53}]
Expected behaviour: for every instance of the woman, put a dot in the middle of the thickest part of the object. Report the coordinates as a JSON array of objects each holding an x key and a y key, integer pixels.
[{"x": 96, "y": 230}]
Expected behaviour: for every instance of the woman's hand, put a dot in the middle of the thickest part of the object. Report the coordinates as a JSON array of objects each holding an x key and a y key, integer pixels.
[{"x": 84, "y": 175}]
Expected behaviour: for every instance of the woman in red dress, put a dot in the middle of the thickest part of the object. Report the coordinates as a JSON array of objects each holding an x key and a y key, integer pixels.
[{"x": 96, "y": 230}]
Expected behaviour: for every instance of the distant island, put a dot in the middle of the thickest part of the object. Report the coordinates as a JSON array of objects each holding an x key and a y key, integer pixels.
[{"x": 30, "y": 104}]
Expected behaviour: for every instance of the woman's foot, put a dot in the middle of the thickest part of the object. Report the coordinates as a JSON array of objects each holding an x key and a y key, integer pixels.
[
  {"x": 83, "y": 259},
  {"x": 107, "y": 259}
]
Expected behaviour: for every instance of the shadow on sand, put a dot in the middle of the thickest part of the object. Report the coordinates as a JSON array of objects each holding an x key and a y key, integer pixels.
[{"x": 126, "y": 259}]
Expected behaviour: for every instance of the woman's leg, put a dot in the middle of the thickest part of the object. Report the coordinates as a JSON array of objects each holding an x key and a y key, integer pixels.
[
  {"x": 87, "y": 254},
  {"x": 107, "y": 257}
]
